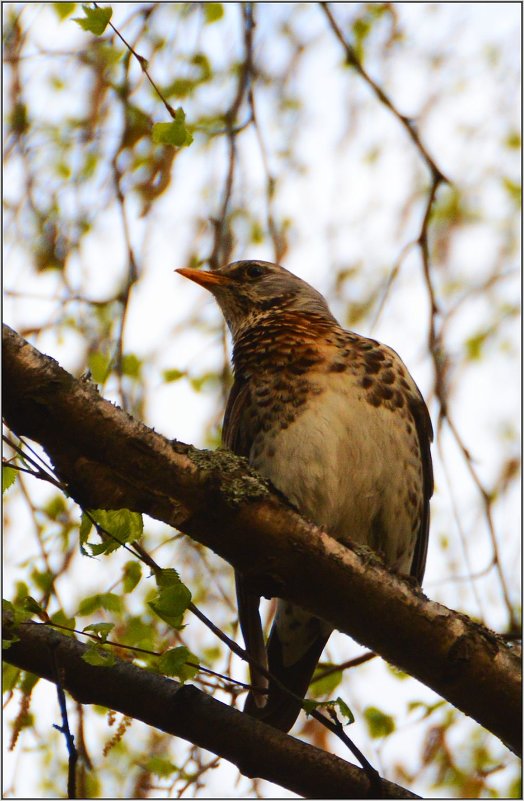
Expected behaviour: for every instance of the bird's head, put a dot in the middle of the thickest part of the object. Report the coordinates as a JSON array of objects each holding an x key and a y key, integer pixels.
[{"x": 249, "y": 290}]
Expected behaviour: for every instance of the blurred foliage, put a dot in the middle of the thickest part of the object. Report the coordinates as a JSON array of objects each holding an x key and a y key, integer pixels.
[{"x": 274, "y": 148}]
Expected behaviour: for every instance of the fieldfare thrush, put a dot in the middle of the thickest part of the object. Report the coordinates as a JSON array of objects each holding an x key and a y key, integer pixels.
[{"x": 338, "y": 425}]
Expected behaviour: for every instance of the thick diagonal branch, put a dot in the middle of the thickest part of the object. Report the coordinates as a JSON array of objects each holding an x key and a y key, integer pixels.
[
  {"x": 109, "y": 460},
  {"x": 255, "y": 748}
]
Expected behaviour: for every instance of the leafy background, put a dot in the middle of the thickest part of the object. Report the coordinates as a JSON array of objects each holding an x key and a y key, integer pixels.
[{"x": 297, "y": 162}]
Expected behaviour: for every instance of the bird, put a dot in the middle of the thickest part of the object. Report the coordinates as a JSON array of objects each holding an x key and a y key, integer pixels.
[{"x": 338, "y": 425}]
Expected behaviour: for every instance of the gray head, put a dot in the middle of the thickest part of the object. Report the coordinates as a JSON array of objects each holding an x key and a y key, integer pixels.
[{"x": 249, "y": 290}]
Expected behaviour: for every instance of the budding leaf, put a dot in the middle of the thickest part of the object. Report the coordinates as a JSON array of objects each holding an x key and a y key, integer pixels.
[
  {"x": 173, "y": 133},
  {"x": 95, "y": 20},
  {"x": 99, "y": 658},
  {"x": 8, "y": 477},
  {"x": 174, "y": 663}
]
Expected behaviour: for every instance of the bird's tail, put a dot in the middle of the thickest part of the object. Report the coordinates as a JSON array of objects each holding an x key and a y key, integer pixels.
[{"x": 282, "y": 709}]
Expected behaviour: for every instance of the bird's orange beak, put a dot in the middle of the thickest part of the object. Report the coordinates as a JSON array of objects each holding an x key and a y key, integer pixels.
[{"x": 206, "y": 279}]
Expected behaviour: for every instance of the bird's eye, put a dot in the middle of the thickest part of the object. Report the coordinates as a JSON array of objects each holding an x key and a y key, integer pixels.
[{"x": 254, "y": 271}]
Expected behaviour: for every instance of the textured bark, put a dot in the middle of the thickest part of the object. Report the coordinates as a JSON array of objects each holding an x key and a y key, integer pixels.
[
  {"x": 256, "y": 749},
  {"x": 109, "y": 460}
]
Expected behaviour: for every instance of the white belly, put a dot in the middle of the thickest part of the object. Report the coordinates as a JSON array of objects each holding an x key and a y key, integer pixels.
[{"x": 349, "y": 466}]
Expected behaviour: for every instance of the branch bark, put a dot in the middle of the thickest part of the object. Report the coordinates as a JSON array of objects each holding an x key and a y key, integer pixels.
[
  {"x": 110, "y": 460},
  {"x": 184, "y": 711}
]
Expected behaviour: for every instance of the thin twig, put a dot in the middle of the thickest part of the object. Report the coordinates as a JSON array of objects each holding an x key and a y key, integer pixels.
[
  {"x": 144, "y": 67},
  {"x": 408, "y": 124},
  {"x": 65, "y": 730}
]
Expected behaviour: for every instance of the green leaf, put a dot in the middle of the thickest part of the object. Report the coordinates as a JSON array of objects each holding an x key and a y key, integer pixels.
[
  {"x": 99, "y": 365},
  {"x": 7, "y": 643},
  {"x": 167, "y": 577},
  {"x": 63, "y": 10},
  {"x": 139, "y": 632},
  {"x": 513, "y": 140},
  {"x": 120, "y": 524},
  {"x": 29, "y": 680},
  {"x": 103, "y": 600},
  {"x": 95, "y": 20},
  {"x": 174, "y": 663},
  {"x": 201, "y": 61},
  {"x": 97, "y": 549},
  {"x": 131, "y": 365},
  {"x": 475, "y": 345},
  {"x": 160, "y": 767},
  {"x": 33, "y": 607},
  {"x": 513, "y": 189},
  {"x": 86, "y": 524},
  {"x": 22, "y": 591},
  {"x": 326, "y": 685},
  {"x": 197, "y": 382},
  {"x": 10, "y": 676},
  {"x": 7, "y": 607},
  {"x": 173, "y": 375},
  {"x": 101, "y": 630},
  {"x": 8, "y": 477},
  {"x": 345, "y": 711},
  {"x": 18, "y": 610},
  {"x": 171, "y": 603},
  {"x": 132, "y": 573},
  {"x": 173, "y": 133},
  {"x": 212, "y": 12},
  {"x": 55, "y": 507},
  {"x": 308, "y": 705},
  {"x": 379, "y": 724},
  {"x": 99, "y": 658},
  {"x": 60, "y": 619},
  {"x": 397, "y": 673},
  {"x": 210, "y": 655}
]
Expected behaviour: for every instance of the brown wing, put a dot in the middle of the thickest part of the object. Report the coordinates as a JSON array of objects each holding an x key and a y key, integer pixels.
[
  {"x": 425, "y": 436},
  {"x": 236, "y": 437},
  {"x": 424, "y": 429}
]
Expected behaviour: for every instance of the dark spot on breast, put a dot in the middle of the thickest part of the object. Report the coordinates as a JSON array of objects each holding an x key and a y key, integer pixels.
[
  {"x": 385, "y": 392},
  {"x": 297, "y": 369},
  {"x": 372, "y": 366},
  {"x": 399, "y": 400},
  {"x": 388, "y": 377},
  {"x": 367, "y": 382},
  {"x": 337, "y": 367}
]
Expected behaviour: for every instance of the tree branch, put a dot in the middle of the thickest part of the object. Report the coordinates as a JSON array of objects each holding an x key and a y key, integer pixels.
[
  {"x": 183, "y": 711},
  {"x": 110, "y": 460}
]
